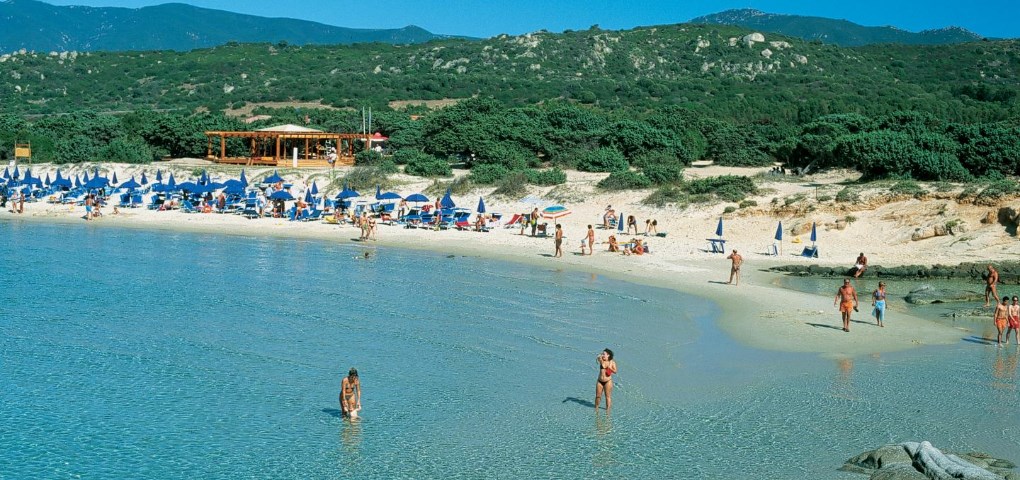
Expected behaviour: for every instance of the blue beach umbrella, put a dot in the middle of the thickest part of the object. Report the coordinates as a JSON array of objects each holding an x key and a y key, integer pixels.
[
  {"x": 308, "y": 196},
  {"x": 814, "y": 233},
  {"x": 281, "y": 195},
  {"x": 274, "y": 178},
  {"x": 619, "y": 223},
  {"x": 85, "y": 177},
  {"x": 28, "y": 173},
  {"x": 481, "y": 205},
  {"x": 447, "y": 201},
  {"x": 14, "y": 176},
  {"x": 130, "y": 184},
  {"x": 46, "y": 182},
  {"x": 779, "y": 231},
  {"x": 718, "y": 228},
  {"x": 62, "y": 182},
  {"x": 417, "y": 198},
  {"x": 144, "y": 181},
  {"x": 204, "y": 179},
  {"x": 114, "y": 179},
  {"x": 97, "y": 182},
  {"x": 315, "y": 189},
  {"x": 77, "y": 182},
  {"x": 159, "y": 176},
  {"x": 243, "y": 180},
  {"x": 7, "y": 174},
  {"x": 347, "y": 193},
  {"x": 171, "y": 184}
]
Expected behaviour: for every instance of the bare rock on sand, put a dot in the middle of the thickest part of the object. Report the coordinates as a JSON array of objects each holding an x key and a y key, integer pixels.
[
  {"x": 989, "y": 218},
  {"x": 912, "y": 460},
  {"x": 927, "y": 295},
  {"x": 801, "y": 228}
]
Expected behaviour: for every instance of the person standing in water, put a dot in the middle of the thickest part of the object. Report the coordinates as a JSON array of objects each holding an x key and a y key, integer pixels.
[
  {"x": 1013, "y": 320},
  {"x": 1001, "y": 318},
  {"x": 350, "y": 394},
  {"x": 846, "y": 297},
  {"x": 607, "y": 367},
  {"x": 878, "y": 301}
]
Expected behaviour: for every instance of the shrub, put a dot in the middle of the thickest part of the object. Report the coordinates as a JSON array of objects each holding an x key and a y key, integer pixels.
[
  {"x": 366, "y": 178},
  {"x": 424, "y": 165},
  {"x": 731, "y": 188},
  {"x": 999, "y": 189},
  {"x": 368, "y": 158},
  {"x": 553, "y": 176},
  {"x": 908, "y": 187},
  {"x": 488, "y": 173},
  {"x": 729, "y": 209},
  {"x": 667, "y": 195},
  {"x": 824, "y": 198},
  {"x": 602, "y": 160},
  {"x": 848, "y": 195},
  {"x": 124, "y": 150},
  {"x": 664, "y": 174},
  {"x": 405, "y": 155},
  {"x": 512, "y": 186},
  {"x": 457, "y": 186},
  {"x": 748, "y": 203},
  {"x": 624, "y": 180}
]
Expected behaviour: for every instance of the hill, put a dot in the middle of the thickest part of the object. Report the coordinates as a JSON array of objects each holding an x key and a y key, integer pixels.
[
  {"x": 730, "y": 72},
  {"x": 38, "y": 26},
  {"x": 838, "y": 32}
]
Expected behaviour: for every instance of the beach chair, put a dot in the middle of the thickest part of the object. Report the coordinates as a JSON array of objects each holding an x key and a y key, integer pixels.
[
  {"x": 810, "y": 252},
  {"x": 188, "y": 207},
  {"x": 542, "y": 230},
  {"x": 136, "y": 200},
  {"x": 716, "y": 245},
  {"x": 316, "y": 214},
  {"x": 514, "y": 221},
  {"x": 772, "y": 250},
  {"x": 125, "y": 200}
]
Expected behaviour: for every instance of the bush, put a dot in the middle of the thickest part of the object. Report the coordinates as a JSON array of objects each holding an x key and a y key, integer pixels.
[
  {"x": 667, "y": 195},
  {"x": 729, "y": 209},
  {"x": 999, "y": 189},
  {"x": 731, "y": 188},
  {"x": 424, "y": 165},
  {"x": 125, "y": 150},
  {"x": 748, "y": 203},
  {"x": 367, "y": 158},
  {"x": 366, "y": 178},
  {"x": 602, "y": 160},
  {"x": 488, "y": 173},
  {"x": 77, "y": 149},
  {"x": 664, "y": 174},
  {"x": 405, "y": 155},
  {"x": 624, "y": 180},
  {"x": 908, "y": 187},
  {"x": 824, "y": 198},
  {"x": 512, "y": 186},
  {"x": 458, "y": 186},
  {"x": 550, "y": 177},
  {"x": 848, "y": 195}
]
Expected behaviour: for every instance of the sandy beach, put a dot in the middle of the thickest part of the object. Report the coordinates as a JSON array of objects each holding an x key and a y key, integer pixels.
[{"x": 755, "y": 313}]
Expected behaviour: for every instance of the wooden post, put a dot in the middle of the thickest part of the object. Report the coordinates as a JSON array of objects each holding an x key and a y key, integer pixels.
[
  {"x": 306, "y": 148},
  {"x": 223, "y": 147},
  {"x": 208, "y": 147},
  {"x": 276, "y": 155}
]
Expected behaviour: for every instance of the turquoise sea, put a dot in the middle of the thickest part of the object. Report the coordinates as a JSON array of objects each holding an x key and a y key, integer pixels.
[{"x": 142, "y": 354}]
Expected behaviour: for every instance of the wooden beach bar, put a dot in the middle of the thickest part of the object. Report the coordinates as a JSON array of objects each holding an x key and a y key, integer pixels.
[{"x": 276, "y": 146}]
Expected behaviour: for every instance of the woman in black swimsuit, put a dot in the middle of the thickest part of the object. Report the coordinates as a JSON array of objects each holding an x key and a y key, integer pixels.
[{"x": 607, "y": 367}]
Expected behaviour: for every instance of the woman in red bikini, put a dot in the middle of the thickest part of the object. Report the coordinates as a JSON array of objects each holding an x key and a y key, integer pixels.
[
  {"x": 1013, "y": 320},
  {"x": 607, "y": 367}
]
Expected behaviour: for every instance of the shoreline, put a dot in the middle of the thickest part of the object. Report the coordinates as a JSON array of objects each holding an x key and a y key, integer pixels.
[{"x": 755, "y": 314}]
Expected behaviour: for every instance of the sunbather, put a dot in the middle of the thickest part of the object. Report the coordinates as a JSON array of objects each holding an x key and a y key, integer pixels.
[{"x": 613, "y": 245}]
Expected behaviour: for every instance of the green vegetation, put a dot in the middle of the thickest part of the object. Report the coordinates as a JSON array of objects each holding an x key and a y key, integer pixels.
[
  {"x": 908, "y": 187},
  {"x": 638, "y": 104}
]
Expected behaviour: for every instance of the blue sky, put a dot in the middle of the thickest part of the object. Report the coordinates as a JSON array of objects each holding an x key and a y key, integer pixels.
[{"x": 485, "y": 18}]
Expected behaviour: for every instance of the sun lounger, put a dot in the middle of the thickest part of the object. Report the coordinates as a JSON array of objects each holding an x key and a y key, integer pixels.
[
  {"x": 717, "y": 245},
  {"x": 810, "y": 252},
  {"x": 187, "y": 207},
  {"x": 514, "y": 221},
  {"x": 316, "y": 214}
]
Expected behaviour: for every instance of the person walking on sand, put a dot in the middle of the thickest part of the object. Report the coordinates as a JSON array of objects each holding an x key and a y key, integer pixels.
[
  {"x": 991, "y": 278},
  {"x": 1013, "y": 320},
  {"x": 736, "y": 260},
  {"x": 591, "y": 240},
  {"x": 350, "y": 394},
  {"x": 878, "y": 301},
  {"x": 1001, "y": 318},
  {"x": 534, "y": 221},
  {"x": 846, "y": 298},
  {"x": 607, "y": 367},
  {"x": 559, "y": 241}
]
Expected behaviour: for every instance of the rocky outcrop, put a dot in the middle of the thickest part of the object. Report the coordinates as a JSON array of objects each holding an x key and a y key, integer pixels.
[
  {"x": 927, "y": 295},
  {"x": 750, "y": 39},
  {"x": 1009, "y": 272},
  {"x": 922, "y": 461}
]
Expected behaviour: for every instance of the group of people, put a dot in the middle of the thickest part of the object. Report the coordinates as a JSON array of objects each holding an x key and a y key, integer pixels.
[
  {"x": 847, "y": 302},
  {"x": 609, "y": 220}
]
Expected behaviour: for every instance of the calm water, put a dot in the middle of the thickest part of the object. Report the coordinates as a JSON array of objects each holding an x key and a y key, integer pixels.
[{"x": 131, "y": 354}]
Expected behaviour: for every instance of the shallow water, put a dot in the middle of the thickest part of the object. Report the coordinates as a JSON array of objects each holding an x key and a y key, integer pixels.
[{"x": 173, "y": 355}]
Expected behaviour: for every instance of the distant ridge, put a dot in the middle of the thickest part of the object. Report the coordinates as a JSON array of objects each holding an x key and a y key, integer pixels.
[
  {"x": 839, "y": 32},
  {"x": 42, "y": 27}
]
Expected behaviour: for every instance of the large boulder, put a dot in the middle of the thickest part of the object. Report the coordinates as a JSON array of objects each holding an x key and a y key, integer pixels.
[
  {"x": 927, "y": 295},
  {"x": 922, "y": 461}
]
